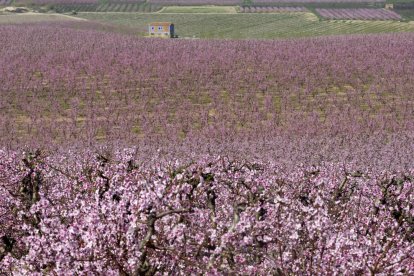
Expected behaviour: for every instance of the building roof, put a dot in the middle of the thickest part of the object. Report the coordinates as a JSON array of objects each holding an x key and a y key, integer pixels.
[{"x": 161, "y": 23}]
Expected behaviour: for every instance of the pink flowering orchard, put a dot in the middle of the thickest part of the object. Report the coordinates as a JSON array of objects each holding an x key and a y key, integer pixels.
[
  {"x": 122, "y": 155},
  {"x": 101, "y": 214},
  {"x": 335, "y": 99}
]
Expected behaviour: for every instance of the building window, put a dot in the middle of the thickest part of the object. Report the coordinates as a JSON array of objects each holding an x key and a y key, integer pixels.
[
  {"x": 152, "y": 28},
  {"x": 159, "y": 28}
]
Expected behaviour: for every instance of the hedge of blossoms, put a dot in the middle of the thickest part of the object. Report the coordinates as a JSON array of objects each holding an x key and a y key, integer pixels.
[
  {"x": 315, "y": 1},
  {"x": 106, "y": 214},
  {"x": 68, "y": 2},
  {"x": 242, "y": 2}
]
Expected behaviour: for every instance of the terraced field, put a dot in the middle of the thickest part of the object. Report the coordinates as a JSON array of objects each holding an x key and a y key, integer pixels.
[{"x": 251, "y": 26}]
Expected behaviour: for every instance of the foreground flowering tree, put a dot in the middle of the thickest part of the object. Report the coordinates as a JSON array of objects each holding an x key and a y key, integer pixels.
[{"x": 109, "y": 214}]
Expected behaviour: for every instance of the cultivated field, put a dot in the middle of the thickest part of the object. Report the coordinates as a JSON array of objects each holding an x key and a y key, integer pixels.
[
  {"x": 359, "y": 14},
  {"x": 282, "y": 146},
  {"x": 251, "y": 26},
  {"x": 199, "y": 9},
  {"x": 196, "y": 2},
  {"x": 107, "y": 7},
  {"x": 272, "y": 9},
  {"x": 407, "y": 14}
]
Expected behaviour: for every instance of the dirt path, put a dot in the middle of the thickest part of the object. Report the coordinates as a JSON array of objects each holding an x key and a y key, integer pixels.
[
  {"x": 55, "y": 14},
  {"x": 32, "y": 17}
]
